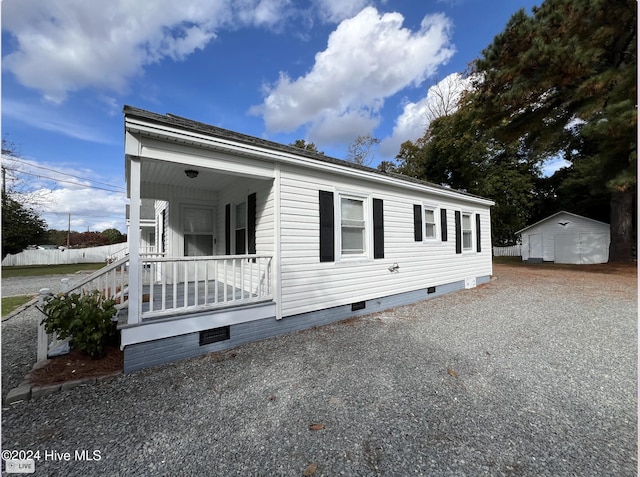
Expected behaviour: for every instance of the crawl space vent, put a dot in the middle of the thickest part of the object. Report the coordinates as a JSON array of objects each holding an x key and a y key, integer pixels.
[
  {"x": 431, "y": 290},
  {"x": 214, "y": 335},
  {"x": 358, "y": 306}
]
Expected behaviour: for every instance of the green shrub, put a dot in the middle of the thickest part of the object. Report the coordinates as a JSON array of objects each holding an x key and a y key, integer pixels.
[{"x": 86, "y": 319}]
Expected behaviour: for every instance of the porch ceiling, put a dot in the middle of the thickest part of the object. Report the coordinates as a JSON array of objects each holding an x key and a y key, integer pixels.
[{"x": 161, "y": 172}]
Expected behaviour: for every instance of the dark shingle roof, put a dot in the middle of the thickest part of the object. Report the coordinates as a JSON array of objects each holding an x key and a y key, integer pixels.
[{"x": 203, "y": 128}]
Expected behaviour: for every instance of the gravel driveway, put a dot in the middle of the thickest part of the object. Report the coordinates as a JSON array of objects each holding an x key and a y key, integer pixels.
[{"x": 533, "y": 374}]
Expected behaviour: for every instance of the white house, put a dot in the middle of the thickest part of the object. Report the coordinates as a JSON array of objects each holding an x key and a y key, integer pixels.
[
  {"x": 566, "y": 238},
  {"x": 255, "y": 239}
]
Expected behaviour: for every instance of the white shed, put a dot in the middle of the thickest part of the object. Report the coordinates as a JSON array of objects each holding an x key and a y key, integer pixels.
[{"x": 566, "y": 238}]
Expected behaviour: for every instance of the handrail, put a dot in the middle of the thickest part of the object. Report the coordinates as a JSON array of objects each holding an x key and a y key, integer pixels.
[
  {"x": 201, "y": 258},
  {"x": 98, "y": 273}
]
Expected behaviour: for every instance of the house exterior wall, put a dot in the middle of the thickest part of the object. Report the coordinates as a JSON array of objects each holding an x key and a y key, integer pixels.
[
  {"x": 309, "y": 285},
  {"x": 401, "y": 262},
  {"x": 574, "y": 226}
]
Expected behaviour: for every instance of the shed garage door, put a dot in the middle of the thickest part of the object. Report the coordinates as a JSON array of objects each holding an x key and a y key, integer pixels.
[{"x": 581, "y": 248}]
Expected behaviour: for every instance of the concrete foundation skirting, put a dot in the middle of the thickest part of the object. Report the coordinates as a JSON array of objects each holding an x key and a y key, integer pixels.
[{"x": 166, "y": 350}]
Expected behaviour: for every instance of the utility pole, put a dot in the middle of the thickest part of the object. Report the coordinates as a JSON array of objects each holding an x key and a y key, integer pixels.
[{"x": 69, "y": 232}]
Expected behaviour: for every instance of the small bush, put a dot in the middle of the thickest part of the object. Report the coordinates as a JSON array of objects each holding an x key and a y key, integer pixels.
[{"x": 86, "y": 319}]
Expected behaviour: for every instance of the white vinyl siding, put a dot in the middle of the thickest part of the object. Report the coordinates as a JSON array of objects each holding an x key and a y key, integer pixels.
[{"x": 308, "y": 284}]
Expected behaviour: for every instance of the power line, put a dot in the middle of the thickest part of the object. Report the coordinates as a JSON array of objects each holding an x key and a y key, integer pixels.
[
  {"x": 65, "y": 182},
  {"x": 58, "y": 172}
]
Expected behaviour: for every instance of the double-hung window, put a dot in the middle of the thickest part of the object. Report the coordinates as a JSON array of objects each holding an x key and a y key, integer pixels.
[
  {"x": 429, "y": 223},
  {"x": 467, "y": 232},
  {"x": 353, "y": 235},
  {"x": 426, "y": 220},
  {"x": 351, "y": 226},
  {"x": 198, "y": 231},
  {"x": 241, "y": 228}
]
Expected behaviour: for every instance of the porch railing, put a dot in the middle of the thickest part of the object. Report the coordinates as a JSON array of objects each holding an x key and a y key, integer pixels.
[{"x": 175, "y": 285}]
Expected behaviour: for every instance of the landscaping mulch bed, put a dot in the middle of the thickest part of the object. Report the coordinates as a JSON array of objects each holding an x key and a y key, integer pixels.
[{"x": 77, "y": 365}]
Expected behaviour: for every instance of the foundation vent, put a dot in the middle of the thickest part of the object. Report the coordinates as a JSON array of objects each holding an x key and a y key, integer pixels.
[
  {"x": 361, "y": 305},
  {"x": 214, "y": 335}
]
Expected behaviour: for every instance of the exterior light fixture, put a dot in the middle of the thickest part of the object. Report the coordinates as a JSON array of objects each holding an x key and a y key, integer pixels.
[{"x": 191, "y": 173}]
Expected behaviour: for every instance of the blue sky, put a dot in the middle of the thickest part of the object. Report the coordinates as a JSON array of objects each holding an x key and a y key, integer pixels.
[{"x": 321, "y": 70}]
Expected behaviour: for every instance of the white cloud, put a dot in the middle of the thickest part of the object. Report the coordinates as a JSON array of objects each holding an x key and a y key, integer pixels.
[
  {"x": 368, "y": 58},
  {"x": 334, "y": 11},
  {"x": 90, "y": 209},
  {"x": 56, "y": 190},
  {"x": 342, "y": 127},
  {"x": 67, "y": 45},
  {"x": 441, "y": 98}
]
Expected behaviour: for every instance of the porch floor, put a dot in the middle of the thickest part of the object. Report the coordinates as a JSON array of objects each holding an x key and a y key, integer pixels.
[{"x": 235, "y": 297}]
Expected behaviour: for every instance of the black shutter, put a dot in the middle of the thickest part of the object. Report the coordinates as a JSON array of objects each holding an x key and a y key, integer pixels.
[
  {"x": 227, "y": 229},
  {"x": 443, "y": 224},
  {"x": 378, "y": 229},
  {"x": 478, "y": 247},
  {"x": 417, "y": 223},
  {"x": 458, "y": 232},
  {"x": 251, "y": 223},
  {"x": 327, "y": 236},
  {"x": 241, "y": 237}
]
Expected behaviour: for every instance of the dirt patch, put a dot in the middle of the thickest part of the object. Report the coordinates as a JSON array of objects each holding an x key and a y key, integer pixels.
[
  {"x": 619, "y": 279},
  {"x": 77, "y": 365}
]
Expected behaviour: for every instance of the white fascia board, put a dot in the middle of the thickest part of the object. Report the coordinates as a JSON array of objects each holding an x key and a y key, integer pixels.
[{"x": 234, "y": 147}]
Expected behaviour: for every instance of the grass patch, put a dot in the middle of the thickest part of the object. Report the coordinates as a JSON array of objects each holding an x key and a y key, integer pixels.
[
  {"x": 39, "y": 270},
  {"x": 10, "y": 303}
]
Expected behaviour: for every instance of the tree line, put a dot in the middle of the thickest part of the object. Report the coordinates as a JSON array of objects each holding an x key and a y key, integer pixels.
[{"x": 558, "y": 84}]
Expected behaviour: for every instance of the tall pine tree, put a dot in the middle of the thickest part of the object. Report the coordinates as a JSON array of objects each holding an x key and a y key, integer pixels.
[{"x": 563, "y": 81}]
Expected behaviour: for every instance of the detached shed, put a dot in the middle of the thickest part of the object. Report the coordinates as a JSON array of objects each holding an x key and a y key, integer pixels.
[{"x": 566, "y": 238}]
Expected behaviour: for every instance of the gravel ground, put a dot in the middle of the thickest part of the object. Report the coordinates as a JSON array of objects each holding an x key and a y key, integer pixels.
[
  {"x": 533, "y": 374},
  {"x": 32, "y": 285}
]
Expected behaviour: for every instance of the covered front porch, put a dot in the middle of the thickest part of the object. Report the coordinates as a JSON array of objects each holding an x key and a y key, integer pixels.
[{"x": 215, "y": 237}]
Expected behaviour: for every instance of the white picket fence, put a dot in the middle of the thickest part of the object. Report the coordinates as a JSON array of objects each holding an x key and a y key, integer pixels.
[
  {"x": 61, "y": 257},
  {"x": 511, "y": 251}
]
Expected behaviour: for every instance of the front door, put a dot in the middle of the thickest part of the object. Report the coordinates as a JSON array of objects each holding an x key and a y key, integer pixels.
[{"x": 535, "y": 246}]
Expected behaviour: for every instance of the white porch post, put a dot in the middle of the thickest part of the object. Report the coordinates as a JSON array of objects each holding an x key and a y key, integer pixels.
[
  {"x": 134, "y": 242},
  {"x": 277, "y": 242}
]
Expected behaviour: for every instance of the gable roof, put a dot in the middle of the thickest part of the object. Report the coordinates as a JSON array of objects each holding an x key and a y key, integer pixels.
[
  {"x": 555, "y": 215},
  {"x": 175, "y": 121}
]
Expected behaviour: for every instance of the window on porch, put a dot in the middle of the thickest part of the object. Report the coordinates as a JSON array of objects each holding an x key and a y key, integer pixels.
[{"x": 198, "y": 231}]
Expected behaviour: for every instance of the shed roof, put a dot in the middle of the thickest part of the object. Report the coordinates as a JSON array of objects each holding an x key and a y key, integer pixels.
[
  {"x": 203, "y": 128},
  {"x": 555, "y": 215}
]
